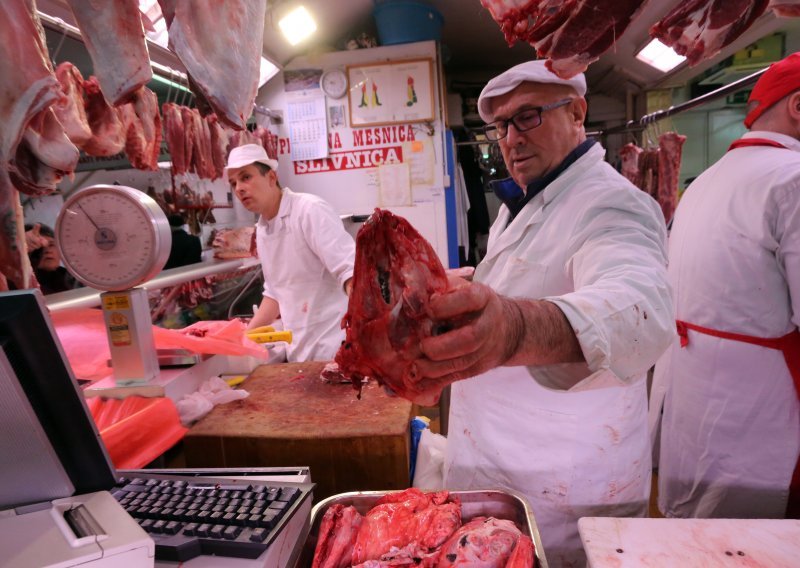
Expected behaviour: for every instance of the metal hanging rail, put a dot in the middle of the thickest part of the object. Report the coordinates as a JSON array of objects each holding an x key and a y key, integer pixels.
[
  {"x": 643, "y": 122},
  {"x": 59, "y": 25}
]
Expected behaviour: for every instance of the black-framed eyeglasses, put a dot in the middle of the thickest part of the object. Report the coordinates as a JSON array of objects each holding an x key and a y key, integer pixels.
[{"x": 524, "y": 120}]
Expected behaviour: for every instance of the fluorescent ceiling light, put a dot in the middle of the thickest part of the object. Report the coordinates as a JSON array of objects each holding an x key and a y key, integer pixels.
[
  {"x": 658, "y": 55},
  {"x": 297, "y": 25}
]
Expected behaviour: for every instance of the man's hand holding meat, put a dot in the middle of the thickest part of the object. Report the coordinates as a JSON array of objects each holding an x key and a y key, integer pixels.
[{"x": 490, "y": 330}]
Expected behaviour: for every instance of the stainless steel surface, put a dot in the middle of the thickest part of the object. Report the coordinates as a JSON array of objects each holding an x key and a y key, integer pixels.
[
  {"x": 501, "y": 504},
  {"x": 90, "y": 297}
]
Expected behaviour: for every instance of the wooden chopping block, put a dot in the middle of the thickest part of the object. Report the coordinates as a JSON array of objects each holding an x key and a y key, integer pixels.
[{"x": 294, "y": 418}]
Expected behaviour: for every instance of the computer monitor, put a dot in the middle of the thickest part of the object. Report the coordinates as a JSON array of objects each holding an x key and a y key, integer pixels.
[{"x": 48, "y": 440}]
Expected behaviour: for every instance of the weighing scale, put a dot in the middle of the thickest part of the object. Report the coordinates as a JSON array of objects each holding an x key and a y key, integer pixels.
[{"x": 114, "y": 238}]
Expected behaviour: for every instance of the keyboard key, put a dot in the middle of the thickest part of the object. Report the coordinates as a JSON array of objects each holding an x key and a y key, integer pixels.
[
  {"x": 259, "y": 535},
  {"x": 172, "y": 527},
  {"x": 289, "y": 494},
  {"x": 231, "y": 532},
  {"x": 190, "y": 529},
  {"x": 216, "y": 531},
  {"x": 203, "y": 529}
]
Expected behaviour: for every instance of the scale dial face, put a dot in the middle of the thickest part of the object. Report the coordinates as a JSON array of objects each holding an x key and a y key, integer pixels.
[
  {"x": 112, "y": 237},
  {"x": 334, "y": 83}
]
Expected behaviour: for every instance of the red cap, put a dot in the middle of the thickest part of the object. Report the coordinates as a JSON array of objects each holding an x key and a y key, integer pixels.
[{"x": 781, "y": 79}]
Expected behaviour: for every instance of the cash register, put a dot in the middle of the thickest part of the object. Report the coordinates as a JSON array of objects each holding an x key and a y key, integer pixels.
[{"x": 62, "y": 503}]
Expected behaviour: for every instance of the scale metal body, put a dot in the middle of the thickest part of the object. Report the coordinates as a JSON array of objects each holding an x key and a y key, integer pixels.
[{"x": 114, "y": 238}]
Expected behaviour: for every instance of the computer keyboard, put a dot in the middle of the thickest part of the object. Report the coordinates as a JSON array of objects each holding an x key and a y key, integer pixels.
[{"x": 190, "y": 516}]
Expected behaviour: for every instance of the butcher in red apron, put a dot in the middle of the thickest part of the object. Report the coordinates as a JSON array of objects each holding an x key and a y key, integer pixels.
[{"x": 730, "y": 385}]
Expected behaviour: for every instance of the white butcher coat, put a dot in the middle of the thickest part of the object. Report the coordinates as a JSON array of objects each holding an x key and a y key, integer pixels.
[
  {"x": 306, "y": 256},
  {"x": 595, "y": 245},
  {"x": 730, "y": 432}
]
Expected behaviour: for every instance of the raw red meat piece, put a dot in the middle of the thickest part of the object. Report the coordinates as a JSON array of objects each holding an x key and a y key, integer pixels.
[
  {"x": 29, "y": 87},
  {"x": 220, "y": 137},
  {"x": 396, "y": 271},
  {"x": 337, "y": 535},
  {"x": 28, "y": 81},
  {"x": 785, "y": 8},
  {"x": 114, "y": 37},
  {"x": 591, "y": 29},
  {"x": 44, "y": 156},
  {"x": 699, "y": 29},
  {"x": 629, "y": 154},
  {"x": 669, "y": 166},
  {"x": 189, "y": 127},
  {"x": 489, "y": 543},
  {"x": 108, "y": 134},
  {"x": 70, "y": 108},
  {"x": 15, "y": 267},
  {"x": 397, "y": 520},
  {"x": 220, "y": 45},
  {"x": 201, "y": 157},
  {"x": 571, "y": 34},
  {"x": 142, "y": 125},
  {"x": 173, "y": 132},
  {"x": 647, "y": 180},
  {"x": 234, "y": 243}
]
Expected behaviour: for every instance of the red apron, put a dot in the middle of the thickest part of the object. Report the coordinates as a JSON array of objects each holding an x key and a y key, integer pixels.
[{"x": 789, "y": 345}]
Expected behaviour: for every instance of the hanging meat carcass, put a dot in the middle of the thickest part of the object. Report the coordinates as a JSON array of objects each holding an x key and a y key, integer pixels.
[
  {"x": 142, "y": 126},
  {"x": 571, "y": 35},
  {"x": 44, "y": 156},
  {"x": 220, "y": 45},
  {"x": 629, "y": 155},
  {"x": 108, "y": 134},
  {"x": 70, "y": 108},
  {"x": 396, "y": 272},
  {"x": 174, "y": 134},
  {"x": 29, "y": 88},
  {"x": 785, "y": 8},
  {"x": 699, "y": 29},
  {"x": 670, "y": 146},
  {"x": 114, "y": 36},
  {"x": 220, "y": 138}
]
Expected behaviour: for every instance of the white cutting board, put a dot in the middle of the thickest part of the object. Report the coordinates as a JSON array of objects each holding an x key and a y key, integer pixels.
[{"x": 689, "y": 543}]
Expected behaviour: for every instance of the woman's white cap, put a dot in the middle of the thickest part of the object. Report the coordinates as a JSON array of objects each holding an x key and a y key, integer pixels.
[
  {"x": 531, "y": 72},
  {"x": 247, "y": 154}
]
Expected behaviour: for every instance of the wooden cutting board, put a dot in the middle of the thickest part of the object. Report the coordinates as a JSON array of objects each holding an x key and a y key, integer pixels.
[{"x": 293, "y": 418}]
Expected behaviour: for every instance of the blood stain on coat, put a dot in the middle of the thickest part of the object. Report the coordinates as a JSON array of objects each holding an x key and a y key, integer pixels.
[
  {"x": 305, "y": 307},
  {"x": 614, "y": 434}
]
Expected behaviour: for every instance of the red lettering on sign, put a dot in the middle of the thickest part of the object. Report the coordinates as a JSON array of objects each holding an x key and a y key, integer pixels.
[{"x": 353, "y": 160}]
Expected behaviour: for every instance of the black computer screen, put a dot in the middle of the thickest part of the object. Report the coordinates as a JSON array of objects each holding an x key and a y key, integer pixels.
[{"x": 38, "y": 361}]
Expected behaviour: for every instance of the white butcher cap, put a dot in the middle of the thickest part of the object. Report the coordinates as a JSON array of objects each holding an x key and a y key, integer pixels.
[
  {"x": 531, "y": 72},
  {"x": 242, "y": 156}
]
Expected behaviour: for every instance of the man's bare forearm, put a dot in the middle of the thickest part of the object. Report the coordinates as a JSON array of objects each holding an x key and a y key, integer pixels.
[{"x": 539, "y": 334}]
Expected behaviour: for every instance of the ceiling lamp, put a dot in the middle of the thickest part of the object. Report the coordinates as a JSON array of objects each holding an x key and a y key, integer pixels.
[
  {"x": 297, "y": 25},
  {"x": 658, "y": 55}
]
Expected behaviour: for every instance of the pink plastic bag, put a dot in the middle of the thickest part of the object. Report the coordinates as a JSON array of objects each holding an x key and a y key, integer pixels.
[{"x": 82, "y": 333}]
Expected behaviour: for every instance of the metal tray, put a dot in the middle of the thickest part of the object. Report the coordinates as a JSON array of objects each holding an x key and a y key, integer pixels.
[{"x": 503, "y": 504}]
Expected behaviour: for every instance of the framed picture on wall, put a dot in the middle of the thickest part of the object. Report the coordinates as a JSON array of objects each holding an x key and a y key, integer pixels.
[{"x": 392, "y": 92}]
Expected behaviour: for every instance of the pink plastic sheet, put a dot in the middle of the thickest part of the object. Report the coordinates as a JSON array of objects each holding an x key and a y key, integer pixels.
[
  {"x": 136, "y": 430},
  {"x": 83, "y": 336}
]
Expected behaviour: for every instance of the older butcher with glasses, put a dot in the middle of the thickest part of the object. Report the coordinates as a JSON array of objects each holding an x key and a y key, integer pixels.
[{"x": 549, "y": 345}]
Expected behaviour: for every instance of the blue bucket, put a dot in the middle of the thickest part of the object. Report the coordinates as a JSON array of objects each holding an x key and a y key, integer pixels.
[{"x": 406, "y": 21}]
